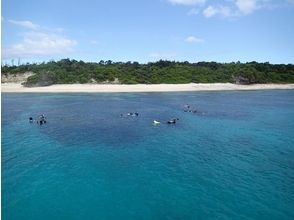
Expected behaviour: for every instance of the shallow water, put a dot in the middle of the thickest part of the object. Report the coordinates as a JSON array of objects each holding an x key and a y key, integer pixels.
[{"x": 233, "y": 159}]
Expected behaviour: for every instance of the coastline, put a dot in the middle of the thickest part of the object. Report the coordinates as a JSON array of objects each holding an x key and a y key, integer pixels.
[{"x": 109, "y": 88}]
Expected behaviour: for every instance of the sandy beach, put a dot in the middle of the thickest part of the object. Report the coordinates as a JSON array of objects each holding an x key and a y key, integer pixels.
[{"x": 74, "y": 88}]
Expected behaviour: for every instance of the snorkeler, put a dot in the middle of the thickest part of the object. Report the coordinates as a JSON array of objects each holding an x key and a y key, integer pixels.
[{"x": 172, "y": 121}]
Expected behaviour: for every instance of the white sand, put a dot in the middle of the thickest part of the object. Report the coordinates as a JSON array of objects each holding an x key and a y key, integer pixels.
[{"x": 66, "y": 88}]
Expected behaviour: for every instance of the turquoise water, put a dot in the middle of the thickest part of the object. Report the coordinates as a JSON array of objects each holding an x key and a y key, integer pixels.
[{"x": 233, "y": 159}]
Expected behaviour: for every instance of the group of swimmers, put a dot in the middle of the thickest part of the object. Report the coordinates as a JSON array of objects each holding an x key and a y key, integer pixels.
[
  {"x": 187, "y": 108},
  {"x": 41, "y": 120},
  {"x": 136, "y": 114},
  {"x": 155, "y": 122},
  {"x": 171, "y": 121}
]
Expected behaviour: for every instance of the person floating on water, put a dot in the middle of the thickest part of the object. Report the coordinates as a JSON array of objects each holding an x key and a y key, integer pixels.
[
  {"x": 155, "y": 122},
  {"x": 193, "y": 111},
  {"x": 31, "y": 119},
  {"x": 187, "y": 106},
  {"x": 42, "y": 119},
  {"x": 172, "y": 121}
]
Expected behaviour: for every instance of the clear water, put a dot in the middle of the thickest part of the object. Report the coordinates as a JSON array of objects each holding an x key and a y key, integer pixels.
[{"x": 234, "y": 159}]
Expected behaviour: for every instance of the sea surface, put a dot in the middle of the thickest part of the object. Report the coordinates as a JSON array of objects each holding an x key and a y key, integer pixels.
[{"x": 232, "y": 159}]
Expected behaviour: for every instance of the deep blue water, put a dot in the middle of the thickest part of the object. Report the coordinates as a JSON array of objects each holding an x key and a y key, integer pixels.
[{"x": 234, "y": 159}]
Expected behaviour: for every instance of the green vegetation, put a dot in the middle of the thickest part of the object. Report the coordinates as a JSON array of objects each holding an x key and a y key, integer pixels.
[{"x": 68, "y": 71}]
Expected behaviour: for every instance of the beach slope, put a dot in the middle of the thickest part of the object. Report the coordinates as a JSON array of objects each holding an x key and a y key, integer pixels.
[{"x": 95, "y": 88}]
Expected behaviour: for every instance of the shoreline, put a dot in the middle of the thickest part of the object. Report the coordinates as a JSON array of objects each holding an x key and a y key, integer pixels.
[{"x": 112, "y": 88}]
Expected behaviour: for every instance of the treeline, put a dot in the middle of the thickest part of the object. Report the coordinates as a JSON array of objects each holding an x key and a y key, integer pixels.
[{"x": 68, "y": 71}]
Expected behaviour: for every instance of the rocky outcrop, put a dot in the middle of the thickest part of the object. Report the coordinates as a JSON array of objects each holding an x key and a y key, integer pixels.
[
  {"x": 40, "y": 79},
  {"x": 241, "y": 80}
]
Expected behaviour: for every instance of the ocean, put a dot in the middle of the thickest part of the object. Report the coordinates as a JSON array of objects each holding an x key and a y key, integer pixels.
[{"x": 232, "y": 159}]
